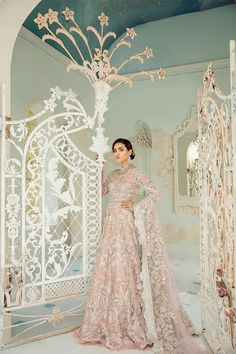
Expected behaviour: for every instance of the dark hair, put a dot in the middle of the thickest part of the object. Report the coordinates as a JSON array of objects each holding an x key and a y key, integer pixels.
[{"x": 127, "y": 144}]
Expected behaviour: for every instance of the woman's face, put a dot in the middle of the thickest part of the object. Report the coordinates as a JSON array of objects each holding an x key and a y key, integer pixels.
[{"x": 121, "y": 153}]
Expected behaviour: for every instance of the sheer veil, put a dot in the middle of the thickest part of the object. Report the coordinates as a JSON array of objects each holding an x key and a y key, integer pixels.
[{"x": 168, "y": 325}]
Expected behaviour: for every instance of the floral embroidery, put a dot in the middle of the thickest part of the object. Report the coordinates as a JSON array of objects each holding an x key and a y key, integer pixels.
[{"x": 132, "y": 301}]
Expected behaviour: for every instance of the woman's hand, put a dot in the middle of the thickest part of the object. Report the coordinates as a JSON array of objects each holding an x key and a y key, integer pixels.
[{"x": 127, "y": 204}]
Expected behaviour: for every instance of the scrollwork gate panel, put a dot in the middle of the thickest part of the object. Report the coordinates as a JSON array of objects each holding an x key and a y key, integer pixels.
[
  {"x": 50, "y": 208},
  {"x": 217, "y": 210}
]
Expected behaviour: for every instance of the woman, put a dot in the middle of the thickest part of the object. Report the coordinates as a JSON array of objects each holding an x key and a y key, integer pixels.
[{"x": 132, "y": 302}]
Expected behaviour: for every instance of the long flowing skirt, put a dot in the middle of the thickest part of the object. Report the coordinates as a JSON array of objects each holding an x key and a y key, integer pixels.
[{"x": 114, "y": 315}]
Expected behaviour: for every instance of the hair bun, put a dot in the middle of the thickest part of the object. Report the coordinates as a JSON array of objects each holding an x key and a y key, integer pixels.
[{"x": 132, "y": 155}]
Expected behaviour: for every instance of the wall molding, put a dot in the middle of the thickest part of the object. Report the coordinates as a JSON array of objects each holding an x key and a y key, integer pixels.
[
  {"x": 197, "y": 67},
  {"x": 184, "y": 69}
]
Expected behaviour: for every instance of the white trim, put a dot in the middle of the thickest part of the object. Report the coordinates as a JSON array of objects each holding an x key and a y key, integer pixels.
[
  {"x": 184, "y": 69},
  {"x": 197, "y": 67}
]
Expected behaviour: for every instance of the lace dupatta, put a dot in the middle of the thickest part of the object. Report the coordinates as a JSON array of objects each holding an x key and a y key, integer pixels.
[{"x": 168, "y": 325}]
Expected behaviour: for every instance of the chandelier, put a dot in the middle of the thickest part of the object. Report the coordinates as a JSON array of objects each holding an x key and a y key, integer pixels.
[{"x": 97, "y": 65}]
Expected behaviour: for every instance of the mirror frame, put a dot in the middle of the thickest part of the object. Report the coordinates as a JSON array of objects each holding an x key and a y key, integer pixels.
[{"x": 189, "y": 125}]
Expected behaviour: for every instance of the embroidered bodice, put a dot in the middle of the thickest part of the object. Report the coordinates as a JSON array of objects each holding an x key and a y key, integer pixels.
[{"x": 127, "y": 186}]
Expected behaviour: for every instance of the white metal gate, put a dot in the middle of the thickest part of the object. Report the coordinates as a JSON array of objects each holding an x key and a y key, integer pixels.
[
  {"x": 50, "y": 220},
  {"x": 217, "y": 141}
]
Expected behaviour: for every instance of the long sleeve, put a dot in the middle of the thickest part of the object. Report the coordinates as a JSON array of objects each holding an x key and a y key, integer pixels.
[
  {"x": 105, "y": 184},
  {"x": 149, "y": 187}
]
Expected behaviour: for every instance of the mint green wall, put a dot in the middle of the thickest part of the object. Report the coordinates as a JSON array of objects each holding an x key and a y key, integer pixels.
[
  {"x": 161, "y": 104},
  {"x": 164, "y": 104},
  {"x": 33, "y": 74}
]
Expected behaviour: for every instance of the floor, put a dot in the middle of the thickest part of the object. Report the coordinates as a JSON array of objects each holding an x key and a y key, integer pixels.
[{"x": 184, "y": 262}]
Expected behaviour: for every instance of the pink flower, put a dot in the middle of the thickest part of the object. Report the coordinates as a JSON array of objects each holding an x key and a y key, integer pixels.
[
  {"x": 69, "y": 14},
  {"x": 131, "y": 32},
  {"x": 42, "y": 21},
  {"x": 52, "y": 16},
  {"x": 148, "y": 52},
  {"x": 161, "y": 74},
  {"x": 220, "y": 272},
  {"x": 56, "y": 316},
  {"x": 103, "y": 19}
]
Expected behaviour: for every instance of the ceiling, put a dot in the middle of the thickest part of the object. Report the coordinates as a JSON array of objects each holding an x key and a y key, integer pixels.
[{"x": 122, "y": 13}]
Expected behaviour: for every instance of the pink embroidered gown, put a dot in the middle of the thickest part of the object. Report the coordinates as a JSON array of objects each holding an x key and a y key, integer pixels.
[{"x": 132, "y": 300}]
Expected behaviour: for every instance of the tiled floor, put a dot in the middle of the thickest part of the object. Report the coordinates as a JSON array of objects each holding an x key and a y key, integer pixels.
[{"x": 185, "y": 265}]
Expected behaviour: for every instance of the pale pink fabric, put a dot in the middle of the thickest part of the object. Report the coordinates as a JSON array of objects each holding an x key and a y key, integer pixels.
[{"x": 119, "y": 313}]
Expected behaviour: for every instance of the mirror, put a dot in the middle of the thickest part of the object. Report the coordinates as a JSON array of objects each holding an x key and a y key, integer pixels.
[{"x": 186, "y": 184}]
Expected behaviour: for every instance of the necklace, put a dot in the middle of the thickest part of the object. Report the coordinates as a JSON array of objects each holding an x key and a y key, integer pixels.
[{"x": 123, "y": 169}]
